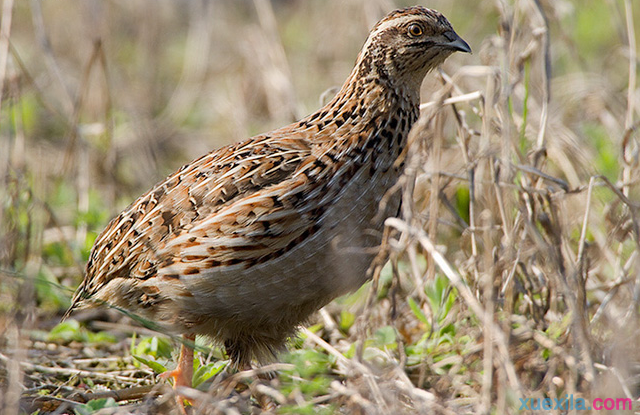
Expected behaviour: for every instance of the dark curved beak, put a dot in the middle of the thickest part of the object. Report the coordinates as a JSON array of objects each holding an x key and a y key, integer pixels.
[{"x": 455, "y": 42}]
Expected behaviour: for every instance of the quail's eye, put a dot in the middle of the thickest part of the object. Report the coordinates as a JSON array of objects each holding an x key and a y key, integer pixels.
[{"x": 415, "y": 30}]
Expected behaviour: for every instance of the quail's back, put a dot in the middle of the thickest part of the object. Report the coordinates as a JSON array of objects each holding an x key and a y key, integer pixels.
[{"x": 244, "y": 243}]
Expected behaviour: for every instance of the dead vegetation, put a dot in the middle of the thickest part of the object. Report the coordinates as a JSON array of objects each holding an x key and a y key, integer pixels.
[{"x": 514, "y": 270}]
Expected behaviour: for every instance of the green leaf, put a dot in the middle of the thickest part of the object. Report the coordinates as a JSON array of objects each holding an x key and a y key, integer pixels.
[
  {"x": 447, "y": 330},
  {"x": 385, "y": 336},
  {"x": 308, "y": 362},
  {"x": 66, "y": 331},
  {"x": 451, "y": 300},
  {"x": 463, "y": 201},
  {"x": 70, "y": 330},
  {"x": 155, "y": 366},
  {"x": 417, "y": 311},
  {"x": 206, "y": 372},
  {"x": 95, "y": 405},
  {"x": 157, "y": 347},
  {"x": 347, "y": 319},
  {"x": 441, "y": 298}
]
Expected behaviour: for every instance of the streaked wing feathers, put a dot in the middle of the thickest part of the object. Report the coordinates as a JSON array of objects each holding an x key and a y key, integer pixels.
[{"x": 231, "y": 206}]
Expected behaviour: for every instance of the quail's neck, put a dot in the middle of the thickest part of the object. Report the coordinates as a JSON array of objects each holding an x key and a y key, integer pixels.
[{"x": 367, "y": 100}]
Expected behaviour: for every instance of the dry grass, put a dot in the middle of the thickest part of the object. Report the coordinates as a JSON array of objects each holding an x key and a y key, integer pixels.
[{"x": 514, "y": 271}]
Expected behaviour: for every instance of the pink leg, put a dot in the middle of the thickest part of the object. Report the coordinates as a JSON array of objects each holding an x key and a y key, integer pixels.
[{"x": 183, "y": 373}]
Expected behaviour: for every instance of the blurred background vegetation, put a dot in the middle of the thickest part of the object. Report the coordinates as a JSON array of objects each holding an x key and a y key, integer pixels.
[{"x": 530, "y": 192}]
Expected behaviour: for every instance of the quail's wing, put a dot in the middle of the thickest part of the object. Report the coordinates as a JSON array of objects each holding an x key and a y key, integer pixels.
[{"x": 239, "y": 204}]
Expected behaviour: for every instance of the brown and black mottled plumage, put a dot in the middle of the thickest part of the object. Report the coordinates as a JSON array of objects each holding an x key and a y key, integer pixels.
[{"x": 244, "y": 243}]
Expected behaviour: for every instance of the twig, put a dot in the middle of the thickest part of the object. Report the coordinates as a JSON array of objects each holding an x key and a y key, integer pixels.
[
  {"x": 72, "y": 372},
  {"x": 546, "y": 68},
  {"x": 453, "y": 100},
  {"x": 5, "y": 32},
  {"x": 585, "y": 221},
  {"x": 326, "y": 346},
  {"x": 633, "y": 63},
  {"x": 126, "y": 394}
]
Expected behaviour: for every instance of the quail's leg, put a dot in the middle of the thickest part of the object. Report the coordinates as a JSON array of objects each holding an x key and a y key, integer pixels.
[{"x": 183, "y": 373}]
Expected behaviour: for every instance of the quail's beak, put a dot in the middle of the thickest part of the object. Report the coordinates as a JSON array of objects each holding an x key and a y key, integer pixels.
[{"x": 455, "y": 42}]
